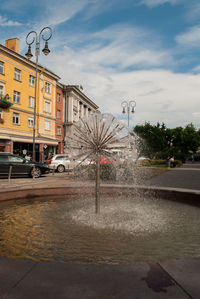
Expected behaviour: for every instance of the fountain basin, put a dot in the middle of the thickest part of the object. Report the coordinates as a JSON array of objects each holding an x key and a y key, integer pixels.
[{"x": 132, "y": 226}]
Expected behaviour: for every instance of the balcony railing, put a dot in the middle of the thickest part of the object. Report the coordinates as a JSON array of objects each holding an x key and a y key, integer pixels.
[{"x": 5, "y": 101}]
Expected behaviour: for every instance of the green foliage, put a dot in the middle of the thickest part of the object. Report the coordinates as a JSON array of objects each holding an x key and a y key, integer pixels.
[
  {"x": 157, "y": 162},
  {"x": 158, "y": 142}
]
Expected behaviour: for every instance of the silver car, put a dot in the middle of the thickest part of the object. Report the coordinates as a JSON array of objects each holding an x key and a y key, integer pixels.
[{"x": 61, "y": 163}]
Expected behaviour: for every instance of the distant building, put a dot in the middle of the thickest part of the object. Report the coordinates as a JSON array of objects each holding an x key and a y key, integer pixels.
[{"x": 77, "y": 105}]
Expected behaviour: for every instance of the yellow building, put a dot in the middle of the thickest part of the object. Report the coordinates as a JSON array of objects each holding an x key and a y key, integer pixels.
[{"x": 17, "y": 81}]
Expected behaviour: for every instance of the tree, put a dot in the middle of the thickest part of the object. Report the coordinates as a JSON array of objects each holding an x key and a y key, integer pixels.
[
  {"x": 153, "y": 138},
  {"x": 157, "y": 141}
]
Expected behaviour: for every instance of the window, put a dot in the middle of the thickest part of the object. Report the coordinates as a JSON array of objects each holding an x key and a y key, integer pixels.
[
  {"x": 47, "y": 125},
  {"x": 3, "y": 158},
  {"x": 15, "y": 159},
  {"x": 17, "y": 74},
  {"x": 58, "y": 130},
  {"x": 15, "y": 118},
  {"x": 1, "y": 89},
  {"x": 1, "y": 67},
  {"x": 47, "y": 106},
  {"x": 31, "y": 102},
  {"x": 58, "y": 97},
  {"x": 30, "y": 122},
  {"x": 16, "y": 97},
  {"x": 58, "y": 113},
  {"x": 31, "y": 81},
  {"x": 47, "y": 87}
]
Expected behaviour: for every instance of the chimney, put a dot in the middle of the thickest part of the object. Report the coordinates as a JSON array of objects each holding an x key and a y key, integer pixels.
[{"x": 12, "y": 44}]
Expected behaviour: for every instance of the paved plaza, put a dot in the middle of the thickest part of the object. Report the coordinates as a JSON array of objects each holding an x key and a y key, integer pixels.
[{"x": 175, "y": 279}]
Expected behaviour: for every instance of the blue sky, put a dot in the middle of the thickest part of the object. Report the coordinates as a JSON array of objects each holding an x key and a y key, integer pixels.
[{"x": 142, "y": 50}]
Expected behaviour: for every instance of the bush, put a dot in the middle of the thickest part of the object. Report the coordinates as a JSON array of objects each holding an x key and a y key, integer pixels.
[{"x": 159, "y": 162}]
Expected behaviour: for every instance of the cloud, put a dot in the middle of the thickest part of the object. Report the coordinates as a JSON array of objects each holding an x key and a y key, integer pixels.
[
  {"x": 107, "y": 69},
  {"x": 121, "y": 47},
  {"x": 4, "y": 22},
  {"x": 153, "y": 3},
  {"x": 45, "y": 12},
  {"x": 65, "y": 10},
  {"x": 190, "y": 38},
  {"x": 196, "y": 114},
  {"x": 192, "y": 10}
]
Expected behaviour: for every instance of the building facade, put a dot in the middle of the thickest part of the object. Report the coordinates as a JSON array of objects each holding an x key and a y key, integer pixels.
[
  {"x": 77, "y": 105},
  {"x": 17, "y": 81},
  {"x": 60, "y": 108}
]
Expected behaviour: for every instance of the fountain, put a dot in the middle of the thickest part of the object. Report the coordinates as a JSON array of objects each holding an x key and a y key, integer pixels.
[
  {"x": 98, "y": 136},
  {"x": 62, "y": 225}
]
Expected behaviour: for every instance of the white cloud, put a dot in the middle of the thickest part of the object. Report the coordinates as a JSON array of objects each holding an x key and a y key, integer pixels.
[
  {"x": 191, "y": 38},
  {"x": 58, "y": 12},
  {"x": 5, "y": 22},
  {"x": 152, "y": 3},
  {"x": 122, "y": 47},
  {"x": 161, "y": 95}
]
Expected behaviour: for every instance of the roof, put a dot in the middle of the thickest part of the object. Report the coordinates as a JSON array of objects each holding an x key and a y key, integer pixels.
[
  {"x": 24, "y": 60},
  {"x": 76, "y": 89}
]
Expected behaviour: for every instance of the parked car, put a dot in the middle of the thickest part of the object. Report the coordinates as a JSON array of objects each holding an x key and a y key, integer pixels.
[
  {"x": 20, "y": 166},
  {"x": 61, "y": 162}
]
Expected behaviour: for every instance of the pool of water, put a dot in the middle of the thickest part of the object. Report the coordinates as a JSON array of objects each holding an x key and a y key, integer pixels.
[{"x": 127, "y": 230}]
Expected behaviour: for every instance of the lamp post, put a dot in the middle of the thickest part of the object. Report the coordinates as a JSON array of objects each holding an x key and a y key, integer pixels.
[
  {"x": 36, "y": 38},
  {"x": 128, "y": 107}
]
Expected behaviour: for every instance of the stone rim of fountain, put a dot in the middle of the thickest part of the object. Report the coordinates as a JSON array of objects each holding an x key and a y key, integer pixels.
[{"x": 189, "y": 196}]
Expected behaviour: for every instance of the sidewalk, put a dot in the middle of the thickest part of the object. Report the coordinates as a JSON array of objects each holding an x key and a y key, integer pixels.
[
  {"x": 28, "y": 279},
  {"x": 187, "y": 176}
]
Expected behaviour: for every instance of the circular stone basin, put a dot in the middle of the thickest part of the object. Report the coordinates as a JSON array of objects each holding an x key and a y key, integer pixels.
[{"x": 128, "y": 229}]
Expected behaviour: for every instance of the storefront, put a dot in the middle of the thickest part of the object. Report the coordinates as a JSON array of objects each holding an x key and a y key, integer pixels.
[
  {"x": 5, "y": 145},
  {"x": 44, "y": 148}
]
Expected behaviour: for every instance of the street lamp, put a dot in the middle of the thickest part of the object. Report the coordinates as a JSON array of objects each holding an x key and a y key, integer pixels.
[
  {"x": 36, "y": 38},
  {"x": 128, "y": 107}
]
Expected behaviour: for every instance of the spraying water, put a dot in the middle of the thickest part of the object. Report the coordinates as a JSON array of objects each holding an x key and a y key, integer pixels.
[{"x": 101, "y": 136}]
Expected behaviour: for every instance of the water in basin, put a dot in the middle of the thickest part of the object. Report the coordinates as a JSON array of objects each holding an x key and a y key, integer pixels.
[{"x": 127, "y": 230}]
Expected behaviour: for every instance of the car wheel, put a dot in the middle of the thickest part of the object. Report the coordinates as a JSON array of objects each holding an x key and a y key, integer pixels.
[
  {"x": 35, "y": 172},
  {"x": 61, "y": 168}
]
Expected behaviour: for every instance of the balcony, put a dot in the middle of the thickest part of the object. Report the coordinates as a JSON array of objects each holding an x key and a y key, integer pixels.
[{"x": 5, "y": 101}]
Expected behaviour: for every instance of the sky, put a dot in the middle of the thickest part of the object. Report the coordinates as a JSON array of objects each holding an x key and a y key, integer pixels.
[{"x": 147, "y": 51}]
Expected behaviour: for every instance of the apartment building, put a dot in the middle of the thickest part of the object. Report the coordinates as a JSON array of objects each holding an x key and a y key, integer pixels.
[{"x": 17, "y": 83}]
